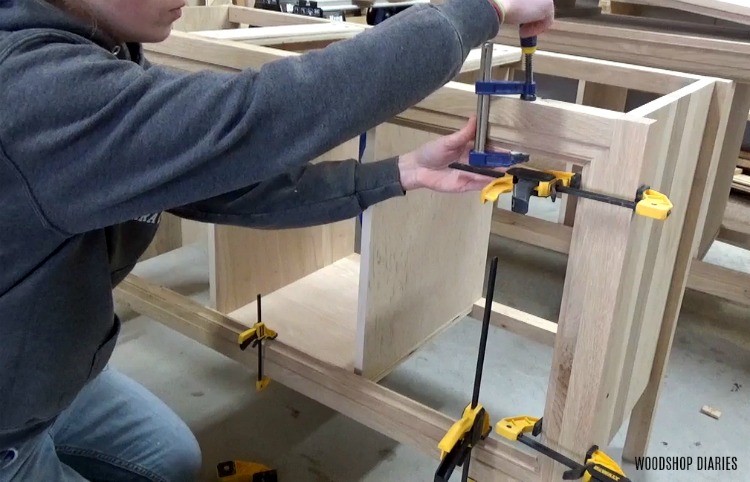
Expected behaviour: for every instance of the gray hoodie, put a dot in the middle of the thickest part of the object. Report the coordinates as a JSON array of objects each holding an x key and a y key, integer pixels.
[{"x": 95, "y": 142}]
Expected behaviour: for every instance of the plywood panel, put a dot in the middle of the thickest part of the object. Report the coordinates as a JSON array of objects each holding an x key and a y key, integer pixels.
[
  {"x": 316, "y": 314},
  {"x": 423, "y": 261},
  {"x": 252, "y": 261}
]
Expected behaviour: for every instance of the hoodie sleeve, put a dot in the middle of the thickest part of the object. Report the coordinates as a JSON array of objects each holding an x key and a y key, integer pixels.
[
  {"x": 305, "y": 196},
  {"x": 99, "y": 141}
]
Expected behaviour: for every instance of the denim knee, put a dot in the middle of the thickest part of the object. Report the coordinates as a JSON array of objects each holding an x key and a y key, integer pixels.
[{"x": 183, "y": 460}]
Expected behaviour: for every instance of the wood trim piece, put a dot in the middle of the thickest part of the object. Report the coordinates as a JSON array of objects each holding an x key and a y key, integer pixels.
[
  {"x": 204, "y": 17},
  {"x": 376, "y": 407},
  {"x": 660, "y": 45},
  {"x": 735, "y": 233},
  {"x": 282, "y": 34},
  {"x": 721, "y": 282},
  {"x": 222, "y": 53},
  {"x": 267, "y": 18},
  {"x": 731, "y": 10},
  {"x": 556, "y": 237},
  {"x": 518, "y": 322},
  {"x": 530, "y": 230},
  {"x": 610, "y": 74}
]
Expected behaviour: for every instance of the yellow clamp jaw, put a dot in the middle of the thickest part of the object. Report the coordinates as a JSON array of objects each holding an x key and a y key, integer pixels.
[
  {"x": 492, "y": 191},
  {"x": 512, "y": 428},
  {"x": 548, "y": 188},
  {"x": 653, "y": 204},
  {"x": 456, "y": 445},
  {"x": 462, "y": 427},
  {"x": 255, "y": 336},
  {"x": 601, "y": 467},
  {"x": 241, "y": 471}
]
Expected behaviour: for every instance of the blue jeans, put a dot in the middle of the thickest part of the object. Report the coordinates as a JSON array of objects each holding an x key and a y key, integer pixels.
[{"x": 114, "y": 430}]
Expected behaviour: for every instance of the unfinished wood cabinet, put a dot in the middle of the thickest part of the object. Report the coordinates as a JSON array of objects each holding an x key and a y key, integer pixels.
[
  {"x": 421, "y": 261},
  {"x": 700, "y": 46}
]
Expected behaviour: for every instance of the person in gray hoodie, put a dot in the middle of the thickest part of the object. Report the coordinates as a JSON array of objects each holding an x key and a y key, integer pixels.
[{"x": 96, "y": 142}]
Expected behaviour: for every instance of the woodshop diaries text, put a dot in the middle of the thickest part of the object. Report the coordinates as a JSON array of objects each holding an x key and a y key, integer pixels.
[{"x": 685, "y": 463}]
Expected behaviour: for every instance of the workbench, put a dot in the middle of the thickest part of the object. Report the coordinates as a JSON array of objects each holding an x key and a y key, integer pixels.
[{"x": 351, "y": 301}]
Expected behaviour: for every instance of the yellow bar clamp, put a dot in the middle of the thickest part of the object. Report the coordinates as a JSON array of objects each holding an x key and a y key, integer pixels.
[
  {"x": 649, "y": 203},
  {"x": 256, "y": 335}
]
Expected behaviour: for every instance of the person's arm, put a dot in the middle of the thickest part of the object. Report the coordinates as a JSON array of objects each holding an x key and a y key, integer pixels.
[
  {"x": 327, "y": 192},
  {"x": 309, "y": 195},
  {"x": 99, "y": 141}
]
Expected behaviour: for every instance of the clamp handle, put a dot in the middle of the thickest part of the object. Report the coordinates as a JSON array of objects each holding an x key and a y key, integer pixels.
[{"x": 528, "y": 45}]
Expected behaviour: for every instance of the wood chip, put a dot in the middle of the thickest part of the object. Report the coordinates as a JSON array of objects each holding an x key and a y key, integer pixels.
[{"x": 711, "y": 412}]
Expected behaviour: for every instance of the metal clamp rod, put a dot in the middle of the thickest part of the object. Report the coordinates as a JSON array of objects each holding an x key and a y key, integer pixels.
[{"x": 483, "y": 101}]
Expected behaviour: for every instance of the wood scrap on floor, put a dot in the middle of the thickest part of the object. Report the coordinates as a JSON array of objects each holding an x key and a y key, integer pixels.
[
  {"x": 711, "y": 412},
  {"x": 741, "y": 182}
]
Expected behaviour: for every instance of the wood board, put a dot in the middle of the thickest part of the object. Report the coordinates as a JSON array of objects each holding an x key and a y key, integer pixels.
[{"x": 732, "y": 10}]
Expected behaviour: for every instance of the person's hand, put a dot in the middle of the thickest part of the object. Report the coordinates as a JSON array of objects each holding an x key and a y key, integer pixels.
[
  {"x": 428, "y": 166},
  {"x": 534, "y": 16}
]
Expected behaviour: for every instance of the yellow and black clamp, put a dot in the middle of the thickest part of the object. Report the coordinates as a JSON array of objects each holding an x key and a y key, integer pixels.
[
  {"x": 455, "y": 447},
  {"x": 524, "y": 182},
  {"x": 474, "y": 425},
  {"x": 240, "y": 471},
  {"x": 255, "y": 336},
  {"x": 598, "y": 466}
]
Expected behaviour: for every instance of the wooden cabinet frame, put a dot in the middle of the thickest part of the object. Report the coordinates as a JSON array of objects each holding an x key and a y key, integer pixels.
[{"x": 346, "y": 318}]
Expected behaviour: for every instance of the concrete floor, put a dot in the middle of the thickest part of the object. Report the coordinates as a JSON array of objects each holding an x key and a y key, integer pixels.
[{"x": 305, "y": 441}]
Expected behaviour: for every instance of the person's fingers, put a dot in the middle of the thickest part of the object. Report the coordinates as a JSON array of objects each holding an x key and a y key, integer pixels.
[
  {"x": 536, "y": 28},
  {"x": 474, "y": 179},
  {"x": 531, "y": 29},
  {"x": 459, "y": 138}
]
